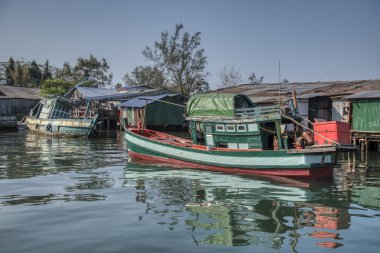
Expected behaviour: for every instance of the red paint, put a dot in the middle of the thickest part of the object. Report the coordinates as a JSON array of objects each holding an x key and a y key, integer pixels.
[
  {"x": 334, "y": 130},
  {"x": 299, "y": 173}
]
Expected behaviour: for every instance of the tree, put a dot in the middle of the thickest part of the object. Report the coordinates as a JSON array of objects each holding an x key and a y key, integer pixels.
[
  {"x": 118, "y": 85},
  {"x": 55, "y": 87},
  {"x": 9, "y": 71},
  {"x": 229, "y": 77},
  {"x": 65, "y": 73},
  {"x": 252, "y": 79},
  {"x": 46, "y": 73},
  {"x": 181, "y": 59},
  {"x": 35, "y": 74},
  {"x": 21, "y": 75},
  {"x": 285, "y": 80},
  {"x": 94, "y": 68},
  {"x": 145, "y": 75}
]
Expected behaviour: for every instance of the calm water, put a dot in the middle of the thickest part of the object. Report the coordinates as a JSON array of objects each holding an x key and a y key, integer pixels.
[{"x": 76, "y": 195}]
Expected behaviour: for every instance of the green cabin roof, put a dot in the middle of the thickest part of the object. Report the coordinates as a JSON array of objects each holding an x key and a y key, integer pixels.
[{"x": 216, "y": 104}]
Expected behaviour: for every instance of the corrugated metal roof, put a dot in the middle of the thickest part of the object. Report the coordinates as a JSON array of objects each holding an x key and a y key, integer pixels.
[
  {"x": 134, "y": 87},
  {"x": 140, "y": 102},
  {"x": 365, "y": 94},
  {"x": 131, "y": 95},
  {"x": 264, "y": 93},
  {"x": 7, "y": 91},
  {"x": 88, "y": 92}
]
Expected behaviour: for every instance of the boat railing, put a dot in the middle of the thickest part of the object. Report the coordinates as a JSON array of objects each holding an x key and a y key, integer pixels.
[{"x": 257, "y": 111}]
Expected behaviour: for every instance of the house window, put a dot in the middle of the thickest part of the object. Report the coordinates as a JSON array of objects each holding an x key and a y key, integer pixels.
[
  {"x": 241, "y": 128},
  {"x": 230, "y": 128},
  {"x": 219, "y": 128}
]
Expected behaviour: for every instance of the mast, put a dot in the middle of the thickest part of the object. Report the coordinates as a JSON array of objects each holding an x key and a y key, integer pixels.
[{"x": 279, "y": 81}]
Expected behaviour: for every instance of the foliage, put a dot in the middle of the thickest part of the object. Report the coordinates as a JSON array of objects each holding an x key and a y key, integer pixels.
[
  {"x": 23, "y": 73},
  {"x": 181, "y": 60},
  {"x": 10, "y": 70},
  {"x": 145, "y": 75},
  {"x": 285, "y": 80},
  {"x": 35, "y": 73},
  {"x": 55, "y": 87},
  {"x": 21, "y": 76},
  {"x": 3, "y": 72},
  {"x": 229, "y": 77},
  {"x": 65, "y": 73},
  {"x": 46, "y": 73},
  {"x": 94, "y": 68},
  {"x": 252, "y": 79},
  {"x": 84, "y": 68}
]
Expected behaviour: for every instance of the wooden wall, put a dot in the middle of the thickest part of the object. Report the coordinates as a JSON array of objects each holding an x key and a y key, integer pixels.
[{"x": 16, "y": 106}]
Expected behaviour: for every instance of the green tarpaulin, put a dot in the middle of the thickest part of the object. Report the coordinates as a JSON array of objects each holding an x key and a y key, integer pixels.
[{"x": 214, "y": 104}]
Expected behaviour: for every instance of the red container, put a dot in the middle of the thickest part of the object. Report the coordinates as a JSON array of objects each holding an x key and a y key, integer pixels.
[{"x": 333, "y": 130}]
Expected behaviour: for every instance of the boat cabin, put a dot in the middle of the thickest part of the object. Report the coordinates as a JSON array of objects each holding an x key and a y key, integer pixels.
[
  {"x": 53, "y": 108},
  {"x": 233, "y": 121}
]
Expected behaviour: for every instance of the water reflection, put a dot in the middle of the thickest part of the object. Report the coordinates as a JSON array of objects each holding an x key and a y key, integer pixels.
[
  {"x": 234, "y": 210},
  {"x": 89, "y": 182},
  {"x": 38, "y": 170}
]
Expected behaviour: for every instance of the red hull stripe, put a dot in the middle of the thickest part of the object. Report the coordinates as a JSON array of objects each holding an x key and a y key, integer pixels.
[{"x": 300, "y": 173}]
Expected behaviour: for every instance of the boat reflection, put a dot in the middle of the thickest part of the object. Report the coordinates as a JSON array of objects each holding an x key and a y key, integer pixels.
[{"x": 238, "y": 210}]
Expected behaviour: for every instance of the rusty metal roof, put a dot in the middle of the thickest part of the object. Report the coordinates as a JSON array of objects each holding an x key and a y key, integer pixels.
[
  {"x": 7, "y": 92},
  {"x": 267, "y": 93},
  {"x": 365, "y": 94}
]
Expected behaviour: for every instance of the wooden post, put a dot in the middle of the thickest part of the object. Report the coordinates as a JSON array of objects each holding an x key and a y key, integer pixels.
[
  {"x": 278, "y": 131},
  {"x": 294, "y": 99}
]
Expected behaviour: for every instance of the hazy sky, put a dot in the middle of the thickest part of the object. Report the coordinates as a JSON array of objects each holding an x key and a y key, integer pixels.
[{"x": 315, "y": 40}]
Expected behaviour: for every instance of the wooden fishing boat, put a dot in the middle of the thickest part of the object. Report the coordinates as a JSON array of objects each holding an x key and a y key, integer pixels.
[
  {"x": 53, "y": 116},
  {"x": 230, "y": 134}
]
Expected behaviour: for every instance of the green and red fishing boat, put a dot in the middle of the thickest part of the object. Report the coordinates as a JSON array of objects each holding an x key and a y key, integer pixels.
[{"x": 230, "y": 134}]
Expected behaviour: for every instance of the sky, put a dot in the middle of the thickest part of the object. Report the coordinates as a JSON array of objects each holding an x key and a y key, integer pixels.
[{"x": 315, "y": 40}]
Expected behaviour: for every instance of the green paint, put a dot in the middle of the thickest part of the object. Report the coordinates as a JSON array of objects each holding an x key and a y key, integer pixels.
[
  {"x": 365, "y": 115},
  {"x": 268, "y": 154}
]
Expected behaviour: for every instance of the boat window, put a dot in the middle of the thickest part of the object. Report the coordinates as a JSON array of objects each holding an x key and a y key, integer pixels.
[
  {"x": 243, "y": 146},
  {"x": 219, "y": 127},
  {"x": 208, "y": 129},
  {"x": 241, "y": 128},
  {"x": 232, "y": 145},
  {"x": 222, "y": 144},
  {"x": 252, "y": 128},
  {"x": 230, "y": 128},
  {"x": 209, "y": 140}
]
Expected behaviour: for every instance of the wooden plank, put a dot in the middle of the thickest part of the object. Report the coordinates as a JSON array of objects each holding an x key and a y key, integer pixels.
[{"x": 312, "y": 150}]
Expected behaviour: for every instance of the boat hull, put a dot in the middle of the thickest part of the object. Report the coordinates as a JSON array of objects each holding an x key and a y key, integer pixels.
[
  {"x": 62, "y": 127},
  {"x": 264, "y": 162}
]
